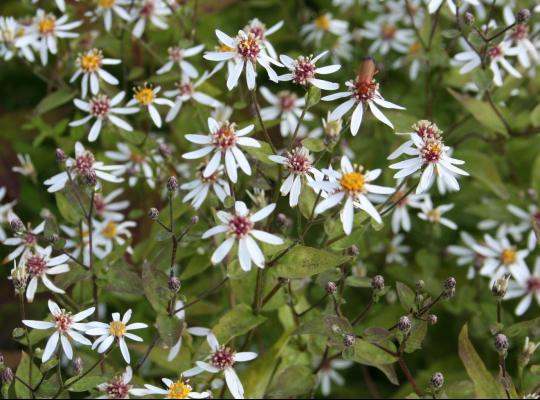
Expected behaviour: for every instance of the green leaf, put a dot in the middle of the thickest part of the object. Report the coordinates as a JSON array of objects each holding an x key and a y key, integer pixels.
[
  {"x": 450, "y": 33},
  {"x": 482, "y": 168},
  {"x": 535, "y": 175},
  {"x": 535, "y": 116},
  {"x": 416, "y": 336},
  {"x": 303, "y": 261},
  {"x": 485, "y": 385},
  {"x": 238, "y": 321},
  {"x": 331, "y": 326},
  {"x": 85, "y": 384},
  {"x": 306, "y": 203},
  {"x": 55, "y": 100},
  {"x": 70, "y": 211},
  {"x": 169, "y": 328},
  {"x": 313, "y": 96},
  {"x": 523, "y": 328},
  {"x": 366, "y": 353},
  {"x": 406, "y": 296},
  {"x": 292, "y": 382},
  {"x": 156, "y": 288},
  {"x": 359, "y": 282},
  {"x": 314, "y": 145},
  {"x": 261, "y": 153},
  {"x": 23, "y": 373}
]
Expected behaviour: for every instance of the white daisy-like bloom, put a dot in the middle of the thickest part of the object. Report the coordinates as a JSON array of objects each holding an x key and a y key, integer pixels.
[
  {"x": 194, "y": 331},
  {"x": 435, "y": 4},
  {"x": 502, "y": 257},
  {"x": 10, "y": 32},
  {"x": 135, "y": 164},
  {"x": 78, "y": 242},
  {"x": 225, "y": 142},
  {"x": 25, "y": 168},
  {"x": 351, "y": 185},
  {"x": 240, "y": 227},
  {"x": 299, "y": 166},
  {"x": 434, "y": 214},
  {"x": 5, "y": 210},
  {"x": 24, "y": 243},
  {"x": 179, "y": 389},
  {"x": 526, "y": 286},
  {"x": 186, "y": 91},
  {"x": 528, "y": 220},
  {"x": 149, "y": 11},
  {"x": 46, "y": 31},
  {"x": 89, "y": 65},
  {"x": 431, "y": 155},
  {"x": 66, "y": 327},
  {"x": 146, "y": 96},
  {"x": 413, "y": 59},
  {"x": 106, "y": 208},
  {"x": 107, "y": 8},
  {"x": 118, "y": 329},
  {"x": 467, "y": 60},
  {"x": 222, "y": 359},
  {"x": 257, "y": 28},
  {"x": 342, "y": 49},
  {"x": 61, "y": 4},
  {"x": 303, "y": 71},
  {"x": 39, "y": 265},
  {"x": 103, "y": 109},
  {"x": 528, "y": 53},
  {"x": 199, "y": 187},
  {"x": 363, "y": 92},
  {"x": 177, "y": 56},
  {"x": 466, "y": 254},
  {"x": 387, "y": 36},
  {"x": 85, "y": 168},
  {"x": 118, "y": 387},
  {"x": 114, "y": 232},
  {"x": 323, "y": 24},
  {"x": 286, "y": 106},
  {"x": 396, "y": 250},
  {"x": 247, "y": 51},
  {"x": 328, "y": 374}
]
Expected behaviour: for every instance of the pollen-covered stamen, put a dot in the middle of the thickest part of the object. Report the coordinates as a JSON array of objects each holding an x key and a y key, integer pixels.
[
  {"x": 63, "y": 321},
  {"x": 431, "y": 151},
  {"x": 225, "y": 137},
  {"x": 427, "y": 130},
  {"x": 533, "y": 284},
  {"x": 299, "y": 161},
  {"x": 364, "y": 90},
  {"x": 388, "y": 31},
  {"x": 84, "y": 164},
  {"x": 222, "y": 358},
  {"x": 521, "y": 31},
  {"x": 36, "y": 265},
  {"x": 495, "y": 52},
  {"x": 110, "y": 230},
  {"x": 322, "y": 22},
  {"x": 353, "y": 182},
  {"x": 304, "y": 69},
  {"x": 117, "y": 389},
  {"x": 100, "y": 106},
  {"x": 47, "y": 25},
  {"x": 148, "y": 8},
  {"x": 175, "y": 54},
  {"x": 248, "y": 46},
  {"x": 117, "y": 328},
  {"x": 240, "y": 226},
  {"x": 90, "y": 61},
  {"x": 179, "y": 390},
  {"x": 509, "y": 256},
  {"x": 144, "y": 95},
  {"x": 223, "y": 48},
  {"x": 185, "y": 88}
]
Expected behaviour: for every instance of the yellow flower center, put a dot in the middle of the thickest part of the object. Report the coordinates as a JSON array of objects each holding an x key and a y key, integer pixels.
[
  {"x": 136, "y": 158},
  {"x": 110, "y": 230},
  {"x": 322, "y": 23},
  {"x": 91, "y": 61},
  {"x": 47, "y": 25},
  {"x": 106, "y": 3},
  {"x": 388, "y": 31},
  {"x": 434, "y": 215},
  {"x": 352, "y": 182},
  {"x": 509, "y": 256},
  {"x": 415, "y": 48},
  {"x": 179, "y": 390},
  {"x": 117, "y": 328},
  {"x": 144, "y": 95}
]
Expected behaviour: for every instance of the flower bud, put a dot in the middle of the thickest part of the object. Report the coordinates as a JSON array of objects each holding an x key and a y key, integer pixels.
[
  {"x": 60, "y": 156},
  {"x": 353, "y": 251},
  {"x": 437, "y": 380},
  {"x": 523, "y": 16},
  {"x": 283, "y": 220},
  {"x": 194, "y": 220},
  {"x": 450, "y": 283},
  {"x": 404, "y": 324},
  {"x": 377, "y": 283},
  {"x": 172, "y": 184},
  {"x": 174, "y": 284},
  {"x": 153, "y": 213},
  {"x": 420, "y": 284},
  {"x": 78, "y": 365},
  {"x": 7, "y": 376},
  {"x": 19, "y": 278},
  {"x": 90, "y": 178},
  {"x": 349, "y": 340},
  {"x": 530, "y": 347},
  {"x": 1, "y": 360},
  {"x": 331, "y": 288},
  {"x": 15, "y": 223},
  {"x": 501, "y": 343},
  {"x": 164, "y": 150},
  {"x": 432, "y": 319},
  {"x": 468, "y": 18},
  {"x": 500, "y": 286}
]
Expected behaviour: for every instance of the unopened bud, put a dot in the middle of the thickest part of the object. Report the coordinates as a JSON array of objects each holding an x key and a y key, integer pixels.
[
  {"x": 19, "y": 278},
  {"x": 420, "y": 284},
  {"x": 500, "y": 286},
  {"x": 60, "y": 156},
  {"x": 501, "y": 343},
  {"x": 377, "y": 283},
  {"x": 437, "y": 380},
  {"x": 174, "y": 284},
  {"x": 331, "y": 288},
  {"x": 419, "y": 298},
  {"x": 1, "y": 360},
  {"x": 78, "y": 366},
  {"x": 523, "y": 16},
  {"x": 432, "y": 319},
  {"x": 172, "y": 184},
  {"x": 90, "y": 178},
  {"x": 450, "y": 283},
  {"x": 7, "y": 376},
  {"x": 349, "y": 340},
  {"x": 194, "y": 220},
  {"x": 354, "y": 251},
  {"x": 468, "y": 18},
  {"x": 404, "y": 324},
  {"x": 283, "y": 220},
  {"x": 15, "y": 223},
  {"x": 153, "y": 213},
  {"x": 164, "y": 150}
]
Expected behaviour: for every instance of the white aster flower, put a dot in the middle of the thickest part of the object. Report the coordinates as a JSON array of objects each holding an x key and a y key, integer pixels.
[
  {"x": 78, "y": 242},
  {"x": 342, "y": 49},
  {"x": 435, "y": 4},
  {"x": 224, "y": 141},
  {"x": 66, "y": 327},
  {"x": 103, "y": 109},
  {"x": 434, "y": 214},
  {"x": 386, "y": 36},
  {"x": 179, "y": 389},
  {"x": 5, "y": 211},
  {"x": 25, "y": 242},
  {"x": 114, "y": 232},
  {"x": 257, "y": 28},
  {"x": 199, "y": 188},
  {"x": 135, "y": 164},
  {"x": 194, "y": 331},
  {"x": 529, "y": 221},
  {"x": 85, "y": 168},
  {"x": 396, "y": 250},
  {"x": 527, "y": 51},
  {"x": 303, "y": 71},
  {"x": 107, "y": 9},
  {"x": 467, "y": 255},
  {"x": 497, "y": 56},
  {"x": 177, "y": 56},
  {"x": 431, "y": 154},
  {"x": 502, "y": 257},
  {"x": 222, "y": 359},
  {"x": 106, "y": 208},
  {"x": 239, "y": 227},
  {"x": 10, "y": 33},
  {"x": 328, "y": 374},
  {"x": 118, "y": 387},
  {"x": 325, "y": 23},
  {"x": 39, "y": 265},
  {"x": 61, "y": 4},
  {"x": 526, "y": 286},
  {"x": 246, "y": 50},
  {"x": 299, "y": 166},
  {"x": 146, "y": 96},
  {"x": 186, "y": 91},
  {"x": 118, "y": 330},
  {"x": 153, "y": 11},
  {"x": 351, "y": 185},
  {"x": 89, "y": 65},
  {"x": 363, "y": 91}
]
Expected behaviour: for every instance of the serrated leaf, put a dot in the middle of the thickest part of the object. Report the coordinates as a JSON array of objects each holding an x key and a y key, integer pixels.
[
  {"x": 406, "y": 296},
  {"x": 303, "y": 261},
  {"x": 313, "y": 96},
  {"x": 238, "y": 321}
]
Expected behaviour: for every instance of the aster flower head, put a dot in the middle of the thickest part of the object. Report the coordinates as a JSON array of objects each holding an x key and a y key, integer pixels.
[
  {"x": 106, "y": 9},
  {"x": 25, "y": 168},
  {"x": 529, "y": 219},
  {"x": 118, "y": 387},
  {"x": 239, "y": 226},
  {"x": 135, "y": 164},
  {"x": 146, "y": 97},
  {"x": 246, "y": 50},
  {"x": 527, "y": 52},
  {"x": 386, "y": 36},
  {"x": 199, "y": 188},
  {"x": 396, "y": 250},
  {"x": 303, "y": 71},
  {"x": 149, "y": 11},
  {"x": 39, "y": 265},
  {"x": 192, "y": 330},
  {"x": 351, "y": 185},
  {"x": 24, "y": 242},
  {"x": 322, "y": 25},
  {"x": 177, "y": 56},
  {"x": 261, "y": 32},
  {"x": 435, "y": 4},
  {"x": 5, "y": 210},
  {"x": 526, "y": 286},
  {"x": 11, "y": 34},
  {"x": 329, "y": 374},
  {"x": 117, "y": 330},
  {"x": 114, "y": 232},
  {"x": 107, "y": 208},
  {"x": 89, "y": 65},
  {"x": 435, "y": 215},
  {"x": 66, "y": 327},
  {"x": 179, "y": 389},
  {"x": 466, "y": 254},
  {"x": 363, "y": 91},
  {"x": 224, "y": 141},
  {"x": 103, "y": 109}
]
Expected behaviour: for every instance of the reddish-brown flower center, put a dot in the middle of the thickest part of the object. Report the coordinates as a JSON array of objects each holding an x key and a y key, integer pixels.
[
  {"x": 222, "y": 358},
  {"x": 495, "y": 52},
  {"x": 29, "y": 240},
  {"x": 36, "y": 265},
  {"x": 248, "y": 47},
  {"x": 299, "y": 162},
  {"x": 427, "y": 130},
  {"x": 185, "y": 89},
  {"x": 388, "y": 31},
  {"x": 175, "y": 54},
  {"x": 304, "y": 69},
  {"x": 432, "y": 151},
  {"x": 148, "y": 8},
  {"x": 533, "y": 284},
  {"x": 84, "y": 164},
  {"x": 99, "y": 204},
  {"x": 240, "y": 226},
  {"x": 287, "y": 101},
  {"x": 117, "y": 389},
  {"x": 100, "y": 106},
  {"x": 521, "y": 31},
  {"x": 63, "y": 321},
  {"x": 225, "y": 137},
  {"x": 363, "y": 90}
]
